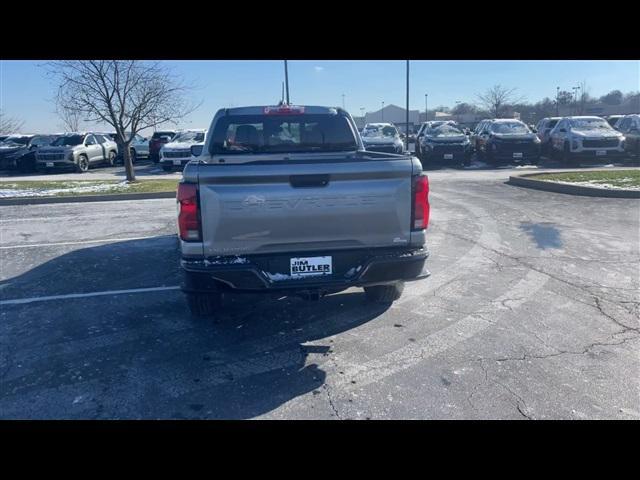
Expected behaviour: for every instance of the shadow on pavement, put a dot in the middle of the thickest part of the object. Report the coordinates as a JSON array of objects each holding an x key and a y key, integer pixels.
[{"x": 143, "y": 356}]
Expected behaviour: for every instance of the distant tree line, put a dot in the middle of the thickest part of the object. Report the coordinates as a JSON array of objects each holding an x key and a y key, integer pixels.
[{"x": 500, "y": 101}]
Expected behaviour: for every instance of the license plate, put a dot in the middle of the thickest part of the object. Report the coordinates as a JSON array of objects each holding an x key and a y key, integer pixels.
[
  {"x": 49, "y": 164},
  {"x": 448, "y": 156},
  {"x": 600, "y": 153},
  {"x": 310, "y": 266},
  {"x": 517, "y": 155},
  {"x": 177, "y": 162}
]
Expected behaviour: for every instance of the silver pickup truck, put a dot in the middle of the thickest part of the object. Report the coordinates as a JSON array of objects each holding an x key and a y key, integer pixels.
[{"x": 285, "y": 200}]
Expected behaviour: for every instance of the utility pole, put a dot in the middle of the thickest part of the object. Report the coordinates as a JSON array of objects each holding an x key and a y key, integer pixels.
[
  {"x": 406, "y": 140},
  {"x": 362, "y": 115},
  {"x": 286, "y": 79},
  {"x": 557, "y": 101}
]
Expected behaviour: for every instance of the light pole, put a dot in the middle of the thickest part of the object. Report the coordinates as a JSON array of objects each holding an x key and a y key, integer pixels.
[
  {"x": 426, "y": 110},
  {"x": 362, "y": 115},
  {"x": 286, "y": 79},
  {"x": 557, "y": 101},
  {"x": 382, "y": 111},
  {"x": 406, "y": 140},
  {"x": 343, "y": 102}
]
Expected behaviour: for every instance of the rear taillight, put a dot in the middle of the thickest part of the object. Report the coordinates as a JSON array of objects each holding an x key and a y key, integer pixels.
[
  {"x": 420, "y": 202},
  {"x": 188, "y": 215}
]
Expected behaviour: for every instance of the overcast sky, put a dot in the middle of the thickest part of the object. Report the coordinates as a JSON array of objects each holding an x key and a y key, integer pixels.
[{"x": 26, "y": 92}]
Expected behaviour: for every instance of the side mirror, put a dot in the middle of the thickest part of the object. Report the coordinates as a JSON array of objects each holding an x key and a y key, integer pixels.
[
  {"x": 196, "y": 150},
  {"x": 534, "y": 130}
]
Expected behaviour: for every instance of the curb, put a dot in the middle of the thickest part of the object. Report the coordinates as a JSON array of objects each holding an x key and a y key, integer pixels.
[
  {"x": 524, "y": 181},
  {"x": 86, "y": 198}
]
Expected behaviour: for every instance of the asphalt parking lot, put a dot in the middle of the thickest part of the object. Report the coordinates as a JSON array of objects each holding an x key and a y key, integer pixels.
[{"x": 531, "y": 312}]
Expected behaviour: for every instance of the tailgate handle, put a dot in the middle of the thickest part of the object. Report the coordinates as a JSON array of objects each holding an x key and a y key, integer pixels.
[{"x": 302, "y": 181}]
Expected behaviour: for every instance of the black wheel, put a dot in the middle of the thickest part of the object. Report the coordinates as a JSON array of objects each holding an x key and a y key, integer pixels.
[
  {"x": 203, "y": 304},
  {"x": 167, "y": 168},
  {"x": 82, "y": 164},
  {"x": 384, "y": 293}
]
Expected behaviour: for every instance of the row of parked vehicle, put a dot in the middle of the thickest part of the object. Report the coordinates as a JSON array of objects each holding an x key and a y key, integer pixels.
[
  {"x": 572, "y": 140},
  {"x": 81, "y": 151}
]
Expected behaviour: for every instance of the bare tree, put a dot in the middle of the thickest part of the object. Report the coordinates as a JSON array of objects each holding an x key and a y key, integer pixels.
[
  {"x": 496, "y": 98},
  {"x": 129, "y": 95},
  {"x": 70, "y": 118},
  {"x": 9, "y": 124}
]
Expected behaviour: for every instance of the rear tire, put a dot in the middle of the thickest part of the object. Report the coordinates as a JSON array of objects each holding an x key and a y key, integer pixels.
[
  {"x": 384, "y": 293},
  {"x": 203, "y": 304}
]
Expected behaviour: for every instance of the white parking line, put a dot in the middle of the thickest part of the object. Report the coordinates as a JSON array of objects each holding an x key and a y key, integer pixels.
[
  {"x": 104, "y": 240},
  {"x": 17, "y": 301}
]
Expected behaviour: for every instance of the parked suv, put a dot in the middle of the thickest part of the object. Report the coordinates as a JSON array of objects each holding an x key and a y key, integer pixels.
[
  {"x": 19, "y": 151},
  {"x": 543, "y": 129},
  {"x": 157, "y": 140},
  {"x": 139, "y": 147},
  {"x": 177, "y": 153},
  {"x": 444, "y": 142},
  {"x": 506, "y": 140},
  {"x": 285, "y": 200},
  {"x": 629, "y": 126},
  {"x": 78, "y": 151},
  {"x": 382, "y": 137},
  {"x": 576, "y": 139}
]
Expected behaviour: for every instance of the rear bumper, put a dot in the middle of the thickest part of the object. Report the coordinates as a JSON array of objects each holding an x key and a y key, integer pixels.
[{"x": 358, "y": 268}]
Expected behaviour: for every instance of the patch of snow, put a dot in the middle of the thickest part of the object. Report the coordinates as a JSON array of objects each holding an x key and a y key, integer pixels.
[
  {"x": 277, "y": 277},
  {"x": 226, "y": 261},
  {"x": 476, "y": 165},
  {"x": 70, "y": 187},
  {"x": 598, "y": 184},
  {"x": 526, "y": 166}
]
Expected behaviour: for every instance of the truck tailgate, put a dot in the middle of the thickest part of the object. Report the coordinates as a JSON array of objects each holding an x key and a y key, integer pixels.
[{"x": 305, "y": 206}]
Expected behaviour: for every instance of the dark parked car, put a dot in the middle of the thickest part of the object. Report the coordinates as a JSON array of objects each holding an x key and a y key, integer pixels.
[
  {"x": 444, "y": 142},
  {"x": 509, "y": 141},
  {"x": 158, "y": 139},
  {"x": 629, "y": 126},
  {"x": 19, "y": 151}
]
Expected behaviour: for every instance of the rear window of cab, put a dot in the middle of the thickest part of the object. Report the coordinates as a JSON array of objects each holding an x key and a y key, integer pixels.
[{"x": 242, "y": 134}]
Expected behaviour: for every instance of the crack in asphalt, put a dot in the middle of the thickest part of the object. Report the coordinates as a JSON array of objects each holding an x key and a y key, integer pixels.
[
  {"x": 527, "y": 356},
  {"x": 333, "y": 407},
  {"x": 584, "y": 288},
  {"x": 519, "y": 400}
]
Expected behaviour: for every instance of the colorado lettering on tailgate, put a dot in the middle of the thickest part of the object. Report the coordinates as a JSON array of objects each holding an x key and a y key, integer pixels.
[{"x": 261, "y": 203}]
